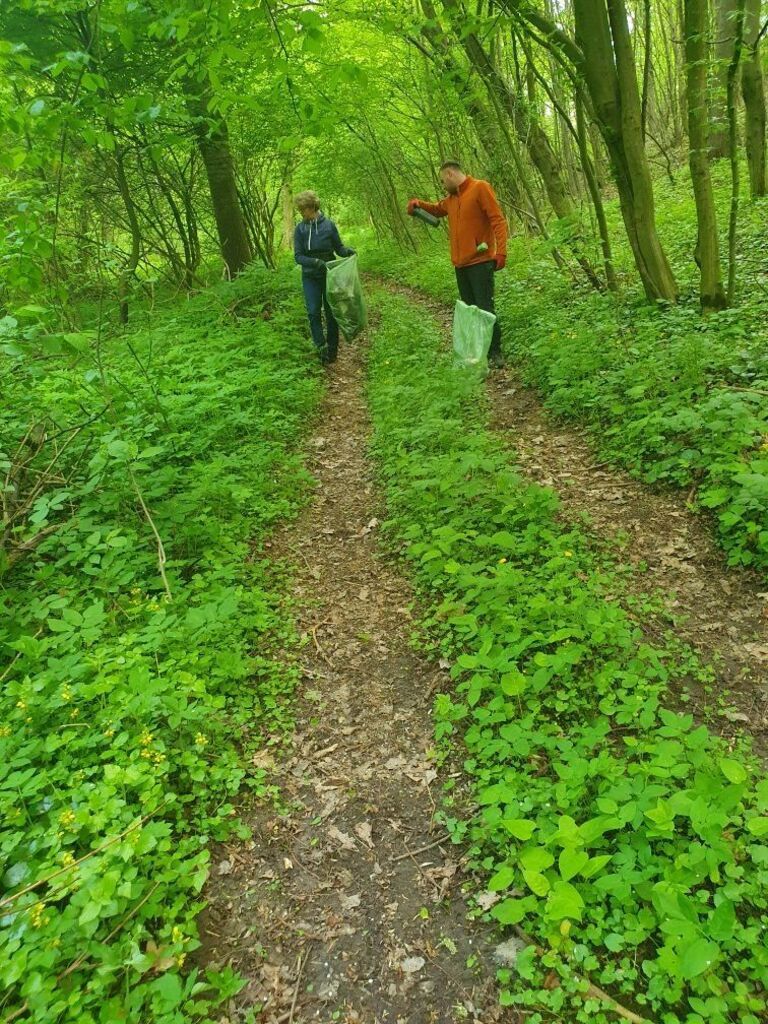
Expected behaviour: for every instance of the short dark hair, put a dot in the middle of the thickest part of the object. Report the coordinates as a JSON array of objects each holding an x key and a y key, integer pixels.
[{"x": 452, "y": 165}]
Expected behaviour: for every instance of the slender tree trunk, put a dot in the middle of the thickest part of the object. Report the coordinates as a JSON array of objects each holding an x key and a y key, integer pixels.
[
  {"x": 752, "y": 89},
  {"x": 711, "y": 291},
  {"x": 725, "y": 21},
  {"x": 733, "y": 147},
  {"x": 610, "y": 73},
  {"x": 212, "y": 138},
  {"x": 129, "y": 270},
  {"x": 597, "y": 199}
]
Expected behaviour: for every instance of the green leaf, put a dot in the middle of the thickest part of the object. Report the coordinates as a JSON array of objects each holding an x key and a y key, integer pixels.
[
  {"x": 536, "y": 882},
  {"x": 520, "y": 828},
  {"x": 503, "y": 878},
  {"x": 510, "y": 911},
  {"x": 697, "y": 958},
  {"x": 564, "y": 902},
  {"x": 722, "y": 923},
  {"x": 536, "y": 858},
  {"x": 734, "y": 771},
  {"x": 571, "y": 862},
  {"x": 758, "y": 827}
]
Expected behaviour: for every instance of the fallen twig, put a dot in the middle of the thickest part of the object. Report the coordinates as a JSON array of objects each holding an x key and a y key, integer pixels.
[
  {"x": 299, "y": 970},
  {"x": 421, "y": 849},
  {"x": 161, "y": 559},
  {"x": 593, "y": 992}
]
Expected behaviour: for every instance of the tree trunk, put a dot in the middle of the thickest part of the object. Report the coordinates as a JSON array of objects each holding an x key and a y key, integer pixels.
[
  {"x": 213, "y": 142},
  {"x": 128, "y": 272},
  {"x": 711, "y": 291},
  {"x": 725, "y": 20},
  {"x": 609, "y": 70},
  {"x": 754, "y": 100}
]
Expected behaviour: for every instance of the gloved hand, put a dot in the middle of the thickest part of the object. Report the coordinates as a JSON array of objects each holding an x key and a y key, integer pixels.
[
  {"x": 319, "y": 264},
  {"x": 412, "y": 204},
  {"x": 351, "y": 252},
  {"x": 501, "y": 261}
]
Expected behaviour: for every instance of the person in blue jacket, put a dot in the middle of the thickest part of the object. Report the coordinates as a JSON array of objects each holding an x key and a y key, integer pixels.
[{"x": 316, "y": 241}]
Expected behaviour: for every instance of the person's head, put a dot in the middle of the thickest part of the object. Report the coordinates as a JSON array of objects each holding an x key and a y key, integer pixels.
[
  {"x": 308, "y": 205},
  {"x": 451, "y": 176}
]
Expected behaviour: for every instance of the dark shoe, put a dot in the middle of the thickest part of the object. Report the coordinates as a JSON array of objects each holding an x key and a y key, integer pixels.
[
  {"x": 323, "y": 356},
  {"x": 331, "y": 355},
  {"x": 496, "y": 361}
]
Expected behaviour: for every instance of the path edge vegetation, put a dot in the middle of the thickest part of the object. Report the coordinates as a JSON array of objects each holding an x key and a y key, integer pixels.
[
  {"x": 610, "y": 828},
  {"x": 134, "y": 699}
]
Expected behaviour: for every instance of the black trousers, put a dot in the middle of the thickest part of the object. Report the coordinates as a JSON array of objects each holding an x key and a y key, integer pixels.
[{"x": 476, "y": 289}]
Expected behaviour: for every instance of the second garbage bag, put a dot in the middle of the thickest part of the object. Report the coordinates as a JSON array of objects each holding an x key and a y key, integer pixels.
[
  {"x": 345, "y": 296},
  {"x": 472, "y": 333}
]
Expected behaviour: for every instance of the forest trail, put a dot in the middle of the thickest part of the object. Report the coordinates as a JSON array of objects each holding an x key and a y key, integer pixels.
[
  {"x": 721, "y": 612},
  {"x": 348, "y": 907}
]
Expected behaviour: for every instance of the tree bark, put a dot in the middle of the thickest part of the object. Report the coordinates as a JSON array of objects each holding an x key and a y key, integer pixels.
[
  {"x": 711, "y": 293},
  {"x": 725, "y": 20},
  {"x": 212, "y": 138},
  {"x": 606, "y": 61},
  {"x": 752, "y": 90}
]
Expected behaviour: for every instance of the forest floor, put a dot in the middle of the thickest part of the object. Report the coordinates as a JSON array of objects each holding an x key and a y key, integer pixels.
[
  {"x": 348, "y": 906},
  {"x": 347, "y": 903},
  {"x": 669, "y": 550}
]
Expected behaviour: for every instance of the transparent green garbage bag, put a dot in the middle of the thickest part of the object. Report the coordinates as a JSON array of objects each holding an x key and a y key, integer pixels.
[
  {"x": 472, "y": 333},
  {"x": 345, "y": 296}
]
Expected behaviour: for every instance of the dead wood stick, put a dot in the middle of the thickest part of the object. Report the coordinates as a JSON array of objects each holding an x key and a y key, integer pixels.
[
  {"x": 299, "y": 970},
  {"x": 161, "y": 559},
  {"x": 421, "y": 849},
  {"x": 593, "y": 991}
]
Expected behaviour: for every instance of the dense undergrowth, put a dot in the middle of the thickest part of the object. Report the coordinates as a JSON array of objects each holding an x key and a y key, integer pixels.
[
  {"x": 629, "y": 842},
  {"x": 128, "y": 714},
  {"x": 674, "y": 397}
]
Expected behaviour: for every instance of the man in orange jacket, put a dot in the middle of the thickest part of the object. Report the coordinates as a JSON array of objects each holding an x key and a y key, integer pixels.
[{"x": 478, "y": 239}]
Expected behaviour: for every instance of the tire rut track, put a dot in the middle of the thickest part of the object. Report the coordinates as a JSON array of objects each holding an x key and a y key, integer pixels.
[
  {"x": 721, "y": 612},
  {"x": 348, "y": 907}
]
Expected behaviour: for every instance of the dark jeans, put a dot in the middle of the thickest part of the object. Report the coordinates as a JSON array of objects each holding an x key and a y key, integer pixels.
[
  {"x": 314, "y": 297},
  {"x": 476, "y": 289}
]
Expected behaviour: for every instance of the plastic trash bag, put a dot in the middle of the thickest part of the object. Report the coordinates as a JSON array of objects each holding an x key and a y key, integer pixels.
[
  {"x": 472, "y": 333},
  {"x": 345, "y": 296}
]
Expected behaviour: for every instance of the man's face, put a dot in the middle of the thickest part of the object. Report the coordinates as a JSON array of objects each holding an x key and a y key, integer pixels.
[
  {"x": 450, "y": 181},
  {"x": 308, "y": 212}
]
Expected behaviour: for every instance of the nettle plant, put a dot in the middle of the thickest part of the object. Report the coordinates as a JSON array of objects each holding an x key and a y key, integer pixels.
[
  {"x": 624, "y": 842},
  {"x": 131, "y": 701}
]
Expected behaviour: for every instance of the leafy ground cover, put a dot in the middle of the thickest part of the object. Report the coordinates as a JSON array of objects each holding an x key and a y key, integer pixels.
[
  {"x": 130, "y": 709},
  {"x": 676, "y": 398},
  {"x": 628, "y": 842}
]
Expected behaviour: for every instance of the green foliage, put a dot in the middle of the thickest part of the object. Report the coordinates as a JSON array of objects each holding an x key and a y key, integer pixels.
[
  {"x": 128, "y": 718},
  {"x": 625, "y": 838},
  {"x": 675, "y": 398}
]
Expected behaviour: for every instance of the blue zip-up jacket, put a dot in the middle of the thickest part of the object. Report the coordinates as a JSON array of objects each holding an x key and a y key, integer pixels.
[{"x": 317, "y": 240}]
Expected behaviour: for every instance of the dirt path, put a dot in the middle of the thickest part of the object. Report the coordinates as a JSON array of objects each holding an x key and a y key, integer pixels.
[
  {"x": 721, "y": 612},
  {"x": 348, "y": 907}
]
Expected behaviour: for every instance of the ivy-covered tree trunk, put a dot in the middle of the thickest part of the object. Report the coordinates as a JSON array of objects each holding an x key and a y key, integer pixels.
[
  {"x": 752, "y": 90},
  {"x": 711, "y": 292},
  {"x": 213, "y": 142}
]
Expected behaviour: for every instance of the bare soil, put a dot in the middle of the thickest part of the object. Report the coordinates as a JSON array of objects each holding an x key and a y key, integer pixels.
[
  {"x": 348, "y": 906},
  {"x": 720, "y": 611}
]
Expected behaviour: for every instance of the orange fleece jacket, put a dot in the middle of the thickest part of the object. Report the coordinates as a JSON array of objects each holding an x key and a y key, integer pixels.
[{"x": 473, "y": 216}]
